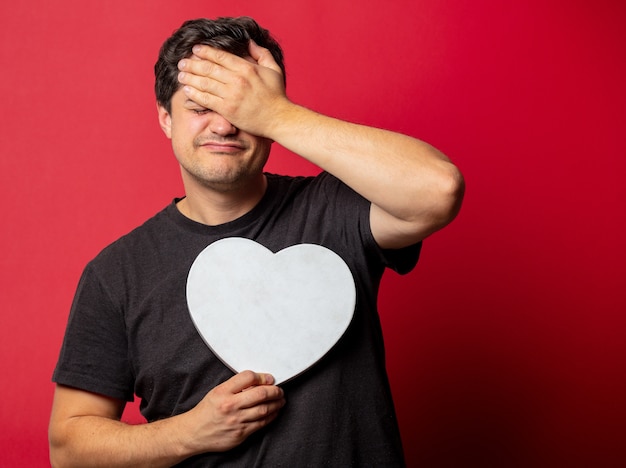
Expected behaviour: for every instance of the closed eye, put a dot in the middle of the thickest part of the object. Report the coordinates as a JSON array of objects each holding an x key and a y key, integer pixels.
[{"x": 195, "y": 107}]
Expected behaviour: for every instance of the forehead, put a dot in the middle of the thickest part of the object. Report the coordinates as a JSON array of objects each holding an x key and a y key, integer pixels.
[{"x": 179, "y": 98}]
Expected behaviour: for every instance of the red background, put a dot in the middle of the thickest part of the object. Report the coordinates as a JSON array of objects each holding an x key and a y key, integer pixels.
[{"x": 506, "y": 345}]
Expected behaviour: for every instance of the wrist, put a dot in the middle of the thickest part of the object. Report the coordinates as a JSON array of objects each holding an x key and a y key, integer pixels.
[
  {"x": 285, "y": 121},
  {"x": 183, "y": 435}
]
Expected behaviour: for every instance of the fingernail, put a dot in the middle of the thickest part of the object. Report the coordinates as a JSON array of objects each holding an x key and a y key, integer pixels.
[
  {"x": 181, "y": 76},
  {"x": 182, "y": 64},
  {"x": 196, "y": 48}
]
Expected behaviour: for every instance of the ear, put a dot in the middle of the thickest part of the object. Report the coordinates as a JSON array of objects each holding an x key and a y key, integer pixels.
[{"x": 165, "y": 120}]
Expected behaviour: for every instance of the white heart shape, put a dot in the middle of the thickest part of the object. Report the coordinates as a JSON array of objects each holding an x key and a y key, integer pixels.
[{"x": 277, "y": 313}]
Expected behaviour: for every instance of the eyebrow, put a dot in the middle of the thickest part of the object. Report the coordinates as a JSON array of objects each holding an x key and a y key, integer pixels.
[{"x": 191, "y": 101}]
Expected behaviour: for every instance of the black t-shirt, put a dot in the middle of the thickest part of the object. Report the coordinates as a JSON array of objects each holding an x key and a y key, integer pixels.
[{"x": 130, "y": 332}]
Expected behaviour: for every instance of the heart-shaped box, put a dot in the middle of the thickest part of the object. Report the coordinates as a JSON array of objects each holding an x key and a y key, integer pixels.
[{"x": 277, "y": 313}]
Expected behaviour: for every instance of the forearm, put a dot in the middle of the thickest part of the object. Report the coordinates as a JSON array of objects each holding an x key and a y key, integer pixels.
[
  {"x": 94, "y": 441},
  {"x": 402, "y": 175},
  {"x": 85, "y": 430}
]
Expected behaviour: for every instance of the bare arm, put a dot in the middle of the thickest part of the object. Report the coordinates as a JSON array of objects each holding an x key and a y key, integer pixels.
[
  {"x": 85, "y": 429},
  {"x": 414, "y": 189}
]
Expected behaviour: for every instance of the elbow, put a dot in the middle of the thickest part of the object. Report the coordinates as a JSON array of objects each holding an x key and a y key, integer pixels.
[
  {"x": 58, "y": 447},
  {"x": 453, "y": 193},
  {"x": 447, "y": 197},
  {"x": 54, "y": 462},
  {"x": 60, "y": 458},
  {"x": 55, "y": 458},
  {"x": 55, "y": 452}
]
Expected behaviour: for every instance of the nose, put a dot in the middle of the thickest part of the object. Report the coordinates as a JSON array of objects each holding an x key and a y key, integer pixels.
[{"x": 220, "y": 126}]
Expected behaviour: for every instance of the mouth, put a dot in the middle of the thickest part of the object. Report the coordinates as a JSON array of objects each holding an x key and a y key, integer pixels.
[{"x": 222, "y": 146}]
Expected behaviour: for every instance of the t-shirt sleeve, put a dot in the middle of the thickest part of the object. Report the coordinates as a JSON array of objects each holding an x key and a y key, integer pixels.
[
  {"x": 355, "y": 210},
  {"x": 94, "y": 354},
  {"x": 402, "y": 260}
]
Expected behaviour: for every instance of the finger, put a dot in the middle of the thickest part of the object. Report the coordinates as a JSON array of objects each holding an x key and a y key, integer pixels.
[
  {"x": 203, "y": 99},
  {"x": 201, "y": 83},
  {"x": 221, "y": 57},
  {"x": 196, "y": 66},
  {"x": 260, "y": 395},
  {"x": 263, "y": 413},
  {"x": 252, "y": 426},
  {"x": 246, "y": 379},
  {"x": 262, "y": 56}
]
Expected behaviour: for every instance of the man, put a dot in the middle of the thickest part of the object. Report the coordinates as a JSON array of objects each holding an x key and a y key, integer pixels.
[{"x": 221, "y": 100}]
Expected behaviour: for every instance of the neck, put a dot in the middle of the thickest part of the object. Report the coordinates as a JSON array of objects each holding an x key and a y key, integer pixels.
[{"x": 214, "y": 207}]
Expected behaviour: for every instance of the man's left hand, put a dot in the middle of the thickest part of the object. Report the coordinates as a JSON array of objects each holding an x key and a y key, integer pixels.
[{"x": 248, "y": 92}]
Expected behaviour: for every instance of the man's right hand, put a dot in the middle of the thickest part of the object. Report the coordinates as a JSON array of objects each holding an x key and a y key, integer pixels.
[{"x": 232, "y": 411}]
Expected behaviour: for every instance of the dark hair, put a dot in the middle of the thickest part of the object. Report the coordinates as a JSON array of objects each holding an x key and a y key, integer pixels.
[{"x": 229, "y": 34}]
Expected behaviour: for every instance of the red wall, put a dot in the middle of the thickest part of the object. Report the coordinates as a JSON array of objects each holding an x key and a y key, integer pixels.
[{"x": 506, "y": 346}]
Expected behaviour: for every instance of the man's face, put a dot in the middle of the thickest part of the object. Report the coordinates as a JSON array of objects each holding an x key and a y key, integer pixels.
[{"x": 211, "y": 151}]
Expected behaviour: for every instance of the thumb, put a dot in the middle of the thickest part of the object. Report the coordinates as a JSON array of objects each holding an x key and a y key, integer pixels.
[{"x": 263, "y": 57}]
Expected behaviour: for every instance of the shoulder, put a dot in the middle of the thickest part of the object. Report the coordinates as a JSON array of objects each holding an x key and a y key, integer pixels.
[{"x": 136, "y": 241}]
